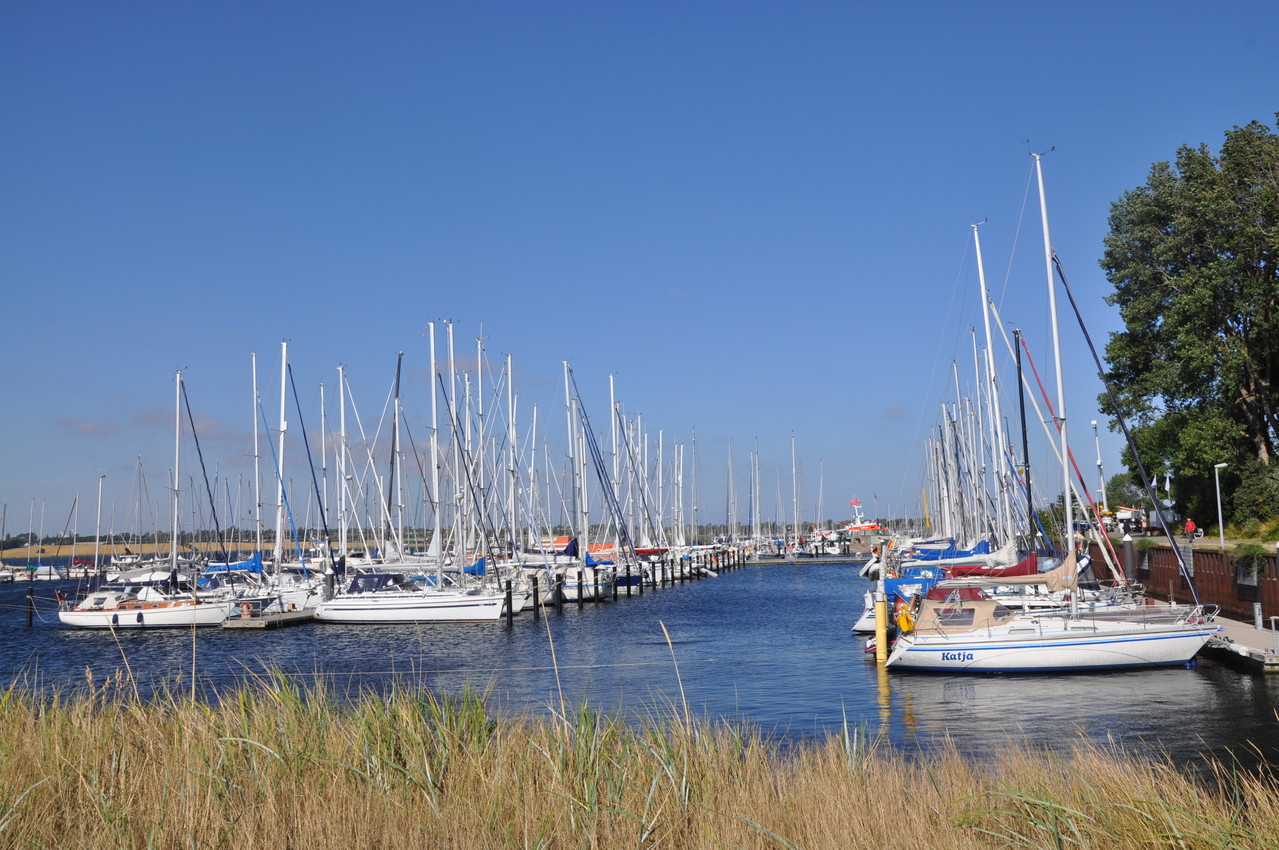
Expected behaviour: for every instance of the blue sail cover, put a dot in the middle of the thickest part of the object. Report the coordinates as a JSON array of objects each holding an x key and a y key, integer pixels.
[
  {"x": 591, "y": 562},
  {"x": 913, "y": 580},
  {"x": 982, "y": 548},
  {"x": 250, "y": 565},
  {"x": 479, "y": 568},
  {"x": 570, "y": 550}
]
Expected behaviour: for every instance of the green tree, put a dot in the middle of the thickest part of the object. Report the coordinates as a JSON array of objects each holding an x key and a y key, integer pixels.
[
  {"x": 1192, "y": 256},
  {"x": 1124, "y": 490}
]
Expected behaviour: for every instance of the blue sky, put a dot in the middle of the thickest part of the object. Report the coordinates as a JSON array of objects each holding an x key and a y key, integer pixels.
[{"x": 755, "y": 215}]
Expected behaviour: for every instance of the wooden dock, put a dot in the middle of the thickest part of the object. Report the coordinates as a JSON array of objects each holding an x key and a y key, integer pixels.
[
  {"x": 270, "y": 621},
  {"x": 1243, "y": 646}
]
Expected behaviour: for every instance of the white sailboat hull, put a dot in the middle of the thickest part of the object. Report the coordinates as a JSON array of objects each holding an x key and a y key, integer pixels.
[
  {"x": 865, "y": 624},
  {"x": 1065, "y": 646},
  {"x": 417, "y": 607},
  {"x": 170, "y": 615}
]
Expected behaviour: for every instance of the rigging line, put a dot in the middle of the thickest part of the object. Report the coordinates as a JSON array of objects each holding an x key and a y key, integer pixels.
[
  {"x": 395, "y": 448},
  {"x": 417, "y": 459},
  {"x": 633, "y": 464},
  {"x": 279, "y": 474},
  {"x": 324, "y": 521},
  {"x": 1132, "y": 444},
  {"x": 1084, "y": 492},
  {"x": 465, "y": 462},
  {"x": 601, "y": 471},
  {"x": 226, "y": 556},
  {"x": 1021, "y": 216},
  {"x": 950, "y": 309}
]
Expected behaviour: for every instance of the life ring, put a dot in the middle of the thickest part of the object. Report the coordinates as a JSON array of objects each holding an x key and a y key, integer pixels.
[{"x": 246, "y": 609}]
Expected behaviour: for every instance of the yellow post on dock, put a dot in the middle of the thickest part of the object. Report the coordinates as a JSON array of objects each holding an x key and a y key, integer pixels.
[{"x": 881, "y": 624}]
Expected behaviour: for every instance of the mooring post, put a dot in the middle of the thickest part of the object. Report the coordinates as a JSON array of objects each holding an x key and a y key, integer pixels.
[
  {"x": 628, "y": 578},
  {"x": 580, "y": 570},
  {"x": 537, "y": 601},
  {"x": 510, "y": 604},
  {"x": 559, "y": 593}
]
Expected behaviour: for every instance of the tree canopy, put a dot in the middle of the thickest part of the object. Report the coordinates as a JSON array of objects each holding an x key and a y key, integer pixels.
[{"x": 1192, "y": 258}]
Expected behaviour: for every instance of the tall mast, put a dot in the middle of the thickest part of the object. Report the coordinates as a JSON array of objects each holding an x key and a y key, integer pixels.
[
  {"x": 1001, "y": 460},
  {"x": 436, "y": 551},
  {"x": 97, "y": 533},
  {"x": 324, "y": 466},
  {"x": 730, "y": 512},
  {"x": 794, "y": 489},
  {"x": 395, "y": 480},
  {"x": 1061, "y": 388},
  {"x": 697, "y": 528},
  {"x": 482, "y": 503},
  {"x": 572, "y": 454},
  {"x": 612, "y": 416},
  {"x": 284, "y": 426},
  {"x": 661, "y": 487},
  {"x": 257, "y": 478},
  {"x": 458, "y": 519},
  {"x": 511, "y": 437},
  {"x": 342, "y": 494},
  {"x": 1025, "y": 441},
  {"x": 177, "y": 446}
]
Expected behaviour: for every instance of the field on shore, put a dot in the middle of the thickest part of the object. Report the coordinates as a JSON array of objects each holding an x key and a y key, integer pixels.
[
  {"x": 85, "y": 550},
  {"x": 272, "y": 765}
]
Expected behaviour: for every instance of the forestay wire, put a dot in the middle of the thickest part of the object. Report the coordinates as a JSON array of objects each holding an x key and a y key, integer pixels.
[{"x": 1132, "y": 445}]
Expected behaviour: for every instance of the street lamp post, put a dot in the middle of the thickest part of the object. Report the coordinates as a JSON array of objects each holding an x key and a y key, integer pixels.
[{"x": 1221, "y": 527}]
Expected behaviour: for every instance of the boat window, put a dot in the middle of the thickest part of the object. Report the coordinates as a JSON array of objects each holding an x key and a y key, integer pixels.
[{"x": 956, "y": 616}]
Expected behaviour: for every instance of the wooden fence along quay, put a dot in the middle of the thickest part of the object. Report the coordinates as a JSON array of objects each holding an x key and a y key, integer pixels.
[{"x": 1249, "y": 599}]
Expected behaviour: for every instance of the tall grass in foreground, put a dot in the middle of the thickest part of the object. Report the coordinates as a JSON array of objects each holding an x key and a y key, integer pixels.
[{"x": 273, "y": 765}]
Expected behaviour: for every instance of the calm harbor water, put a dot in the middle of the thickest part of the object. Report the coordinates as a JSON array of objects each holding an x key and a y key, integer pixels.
[{"x": 766, "y": 644}]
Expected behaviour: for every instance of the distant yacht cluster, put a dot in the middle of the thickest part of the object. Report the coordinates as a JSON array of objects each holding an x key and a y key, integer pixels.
[{"x": 477, "y": 544}]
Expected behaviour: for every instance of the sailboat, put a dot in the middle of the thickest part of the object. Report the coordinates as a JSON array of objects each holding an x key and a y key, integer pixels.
[
  {"x": 393, "y": 595},
  {"x": 957, "y": 627},
  {"x": 152, "y": 597}
]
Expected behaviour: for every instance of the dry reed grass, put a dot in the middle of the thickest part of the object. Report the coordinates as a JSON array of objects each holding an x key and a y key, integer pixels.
[{"x": 275, "y": 765}]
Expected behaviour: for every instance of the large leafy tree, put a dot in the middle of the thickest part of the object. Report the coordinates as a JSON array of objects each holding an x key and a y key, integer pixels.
[{"x": 1192, "y": 256}]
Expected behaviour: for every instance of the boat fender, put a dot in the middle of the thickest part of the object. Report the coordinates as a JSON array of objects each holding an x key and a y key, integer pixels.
[
  {"x": 139, "y": 618},
  {"x": 905, "y": 621}
]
